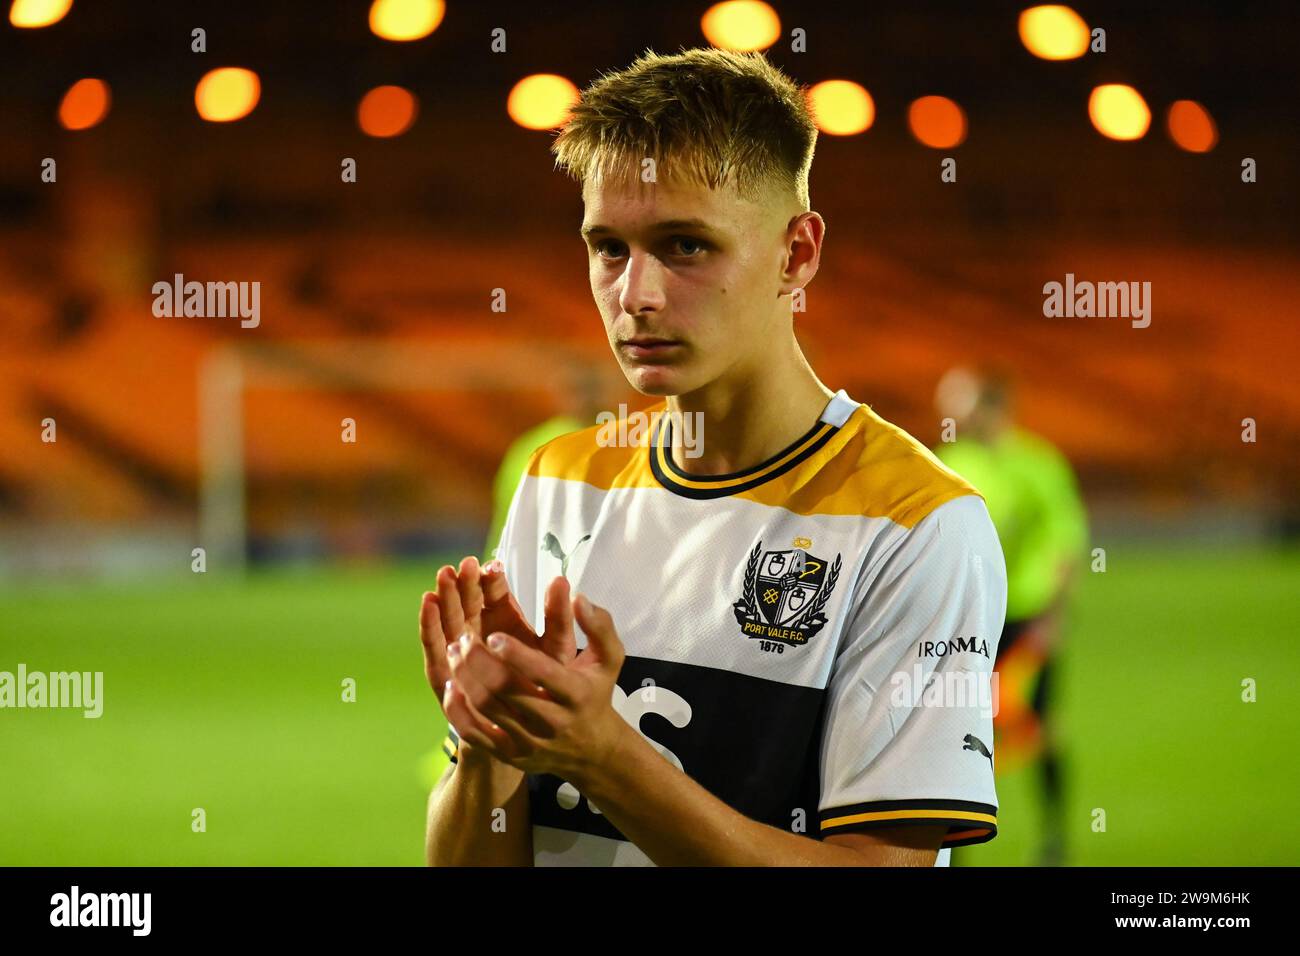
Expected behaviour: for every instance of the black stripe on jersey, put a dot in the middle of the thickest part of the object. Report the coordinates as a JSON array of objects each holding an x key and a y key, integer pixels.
[
  {"x": 968, "y": 822},
  {"x": 451, "y": 744},
  {"x": 665, "y": 476},
  {"x": 751, "y": 742}
]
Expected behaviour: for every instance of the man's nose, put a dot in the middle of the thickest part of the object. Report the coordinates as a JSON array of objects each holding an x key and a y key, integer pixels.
[{"x": 643, "y": 284}]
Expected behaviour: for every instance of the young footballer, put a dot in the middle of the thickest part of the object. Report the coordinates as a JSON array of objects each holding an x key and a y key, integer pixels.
[{"x": 771, "y": 644}]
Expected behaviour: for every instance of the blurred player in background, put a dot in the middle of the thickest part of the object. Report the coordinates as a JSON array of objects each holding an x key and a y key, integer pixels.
[
  {"x": 583, "y": 402},
  {"x": 1035, "y": 505}
]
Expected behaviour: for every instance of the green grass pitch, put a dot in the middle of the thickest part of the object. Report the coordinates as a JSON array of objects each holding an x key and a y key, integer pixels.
[{"x": 228, "y": 697}]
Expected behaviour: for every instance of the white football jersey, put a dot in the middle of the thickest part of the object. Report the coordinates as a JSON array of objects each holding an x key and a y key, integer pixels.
[{"x": 812, "y": 639}]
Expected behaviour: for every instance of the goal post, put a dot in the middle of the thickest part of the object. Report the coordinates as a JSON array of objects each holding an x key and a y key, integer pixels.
[{"x": 498, "y": 368}]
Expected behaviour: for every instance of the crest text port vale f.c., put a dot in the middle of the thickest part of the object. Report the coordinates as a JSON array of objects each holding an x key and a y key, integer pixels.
[{"x": 785, "y": 592}]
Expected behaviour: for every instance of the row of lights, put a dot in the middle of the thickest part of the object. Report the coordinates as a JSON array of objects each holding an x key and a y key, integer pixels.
[
  {"x": 1048, "y": 31},
  {"x": 400, "y": 20},
  {"x": 542, "y": 101}
]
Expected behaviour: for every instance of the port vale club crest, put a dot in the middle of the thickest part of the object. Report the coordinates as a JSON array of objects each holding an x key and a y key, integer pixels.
[{"x": 785, "y": 592}]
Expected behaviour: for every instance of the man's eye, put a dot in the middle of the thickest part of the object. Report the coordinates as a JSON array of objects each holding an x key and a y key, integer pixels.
[{"x": 682, "y": 245}]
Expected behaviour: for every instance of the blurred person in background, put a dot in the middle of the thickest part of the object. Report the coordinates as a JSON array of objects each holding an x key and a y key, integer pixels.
[
  {"x": 1034, "y": 501},
  {"x": 583, "y": 401}
]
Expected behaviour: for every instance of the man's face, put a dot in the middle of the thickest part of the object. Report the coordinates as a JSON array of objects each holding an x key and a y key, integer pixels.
[
  {"x": 686, "y": 279},
  {"x": 980, "y": 412}
]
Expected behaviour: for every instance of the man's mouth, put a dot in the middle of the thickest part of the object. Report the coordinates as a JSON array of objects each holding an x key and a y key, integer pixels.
[{"x": 649, "y": 347}]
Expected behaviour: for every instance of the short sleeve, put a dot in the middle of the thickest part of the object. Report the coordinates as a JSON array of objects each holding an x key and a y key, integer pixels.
[{"x": 908, "y": 732}]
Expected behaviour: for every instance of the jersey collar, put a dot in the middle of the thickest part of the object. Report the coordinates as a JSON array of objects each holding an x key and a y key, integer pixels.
[{"x": 670, "y": 475}]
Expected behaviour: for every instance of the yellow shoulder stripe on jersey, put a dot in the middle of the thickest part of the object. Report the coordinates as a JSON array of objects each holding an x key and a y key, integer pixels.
[
  {"x": 872, "y": 468},
  {"x": 867, "y": 467},
  {"x": 580, "y": 456}
]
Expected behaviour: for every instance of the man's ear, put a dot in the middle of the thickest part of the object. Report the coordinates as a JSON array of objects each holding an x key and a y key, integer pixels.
[{"x": 805, "y": 230}]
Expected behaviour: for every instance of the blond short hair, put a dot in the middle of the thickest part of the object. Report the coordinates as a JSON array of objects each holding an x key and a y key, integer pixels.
[{"x": 708, "y": 116}]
